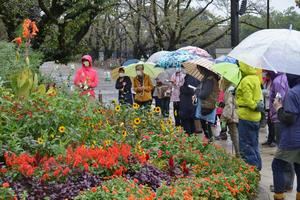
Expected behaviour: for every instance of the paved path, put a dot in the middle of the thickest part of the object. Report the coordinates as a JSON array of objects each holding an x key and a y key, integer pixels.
[{"x": 60, "y": 73}]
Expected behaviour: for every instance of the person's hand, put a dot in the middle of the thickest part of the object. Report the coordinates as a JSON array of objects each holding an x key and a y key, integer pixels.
[
  {"x": 260, "y": 107},
  {"x": 221, "y": 105},
  {"x": 277, "y": 104}
]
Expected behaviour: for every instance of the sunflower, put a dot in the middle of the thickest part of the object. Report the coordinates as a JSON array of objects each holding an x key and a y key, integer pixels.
[
  {"x": 114, "y": 101},
  {"x": 52, "y": 136},
  {"x": 157, "y": 109},
  {"x": 169, "y": 122},
  {"x": 162, "y": 122},
  {"x": 107, "y": 142},
  {"x": 136, "y": 106},
  {"x": 40, "y": 141},
  {"x": 137, "y": 121},
  {"x": 124, "y": 133},
  {"x": 118, "y": 108},
  {"x": 61, "y": 129}
]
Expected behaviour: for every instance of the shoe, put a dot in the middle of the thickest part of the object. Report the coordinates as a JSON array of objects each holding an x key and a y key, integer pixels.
[
  {"x": 265, "y": 143},
  {"x": 279, "y": 196},
  {"x": 286, "y": 189},
  {"x": 272, "y": 144}
]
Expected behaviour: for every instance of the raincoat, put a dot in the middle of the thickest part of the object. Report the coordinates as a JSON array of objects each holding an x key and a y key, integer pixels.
[
  {"x": 86, "y": 77},
  {"x": 279, "y": 85},
  {"x": 248, "y": 94}
]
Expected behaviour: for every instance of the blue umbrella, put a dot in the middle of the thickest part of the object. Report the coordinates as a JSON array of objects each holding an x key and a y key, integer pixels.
[
  {"x": 129, "y": 62},
  {"x": 175, "y": 58},
  {"x": 227, "y": 59}
]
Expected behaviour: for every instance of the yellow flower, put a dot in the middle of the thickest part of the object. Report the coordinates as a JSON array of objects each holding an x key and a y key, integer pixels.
[
  {"x": 61, "y": 129},
  {"x": 136, "y": 106},
  {"x": 40, "y": 141},
  {"x": 114, "y": 101},
  {"x": 124, "y": 133},
  {"x": 94, "y": 142},
  {"x": 162, "y": 123},
  {"x": 169, "y": 121},
  {"x": 137, "y": 121},
  {"x": 118, "y": 108},
  {"x": 157, "y": 109},
  {"x": 52, "y": 136},
  {"x": 107, "y": 142}
]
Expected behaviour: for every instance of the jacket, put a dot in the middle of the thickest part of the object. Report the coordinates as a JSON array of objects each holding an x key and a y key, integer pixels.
[
  {"x": 123, "y": 84},
  {"x": 279, "y": 85},
  {"x": 145, "y": 94},
  {"x": 229, "y": 113},
  {"x": 290, "y": 130},
  {"x": 248, "y": 94},
  {"x": 86, "y": 76},
  {"x": 208, "y": 92},
  {"x": 186, "y": 106},
  {"x": 177, "y": 81}
]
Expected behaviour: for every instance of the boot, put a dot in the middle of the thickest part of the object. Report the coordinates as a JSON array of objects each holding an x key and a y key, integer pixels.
[
  {"x": 298, "y": 196},
  {"x": 198, "y": 127},
  {"x": 279, "y": 196}
]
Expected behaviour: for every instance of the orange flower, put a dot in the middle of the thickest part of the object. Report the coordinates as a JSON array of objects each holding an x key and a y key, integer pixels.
[
  {"x": 29, "y": 29},
  {"x": 94, "y": 189},
  {"x": 105, "y": 188},
  {"x": 18, "y": 41},
  {"x": 5, "y": 185},
  {"x": 34, "y": 28}
]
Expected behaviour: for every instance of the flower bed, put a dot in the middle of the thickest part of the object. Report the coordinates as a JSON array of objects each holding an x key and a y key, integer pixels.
[{"x": 61, "y": 147}]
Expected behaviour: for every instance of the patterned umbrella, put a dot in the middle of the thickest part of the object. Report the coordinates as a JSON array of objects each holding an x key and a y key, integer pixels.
[
  {"x": 156, "y": 56},
  {"x": 196, "y": 51},
  {"x": 175, "y": 59}
]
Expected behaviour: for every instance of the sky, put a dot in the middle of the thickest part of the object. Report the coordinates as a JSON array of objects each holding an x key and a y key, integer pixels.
[{"x": 283, "y": 4}]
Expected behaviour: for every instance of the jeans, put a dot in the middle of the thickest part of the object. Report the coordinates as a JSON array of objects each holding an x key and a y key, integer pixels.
[
  {"x": 280, "y": 179},
  {"x": 157, "y": 102},
  {"x": 165, "y": 106},
  {"x": 248, "y": 142},
  {"x": 176, "y": 113}
]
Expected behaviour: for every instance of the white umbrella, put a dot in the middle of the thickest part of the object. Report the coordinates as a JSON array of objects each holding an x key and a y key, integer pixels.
[{"x": 272, "y": 49}]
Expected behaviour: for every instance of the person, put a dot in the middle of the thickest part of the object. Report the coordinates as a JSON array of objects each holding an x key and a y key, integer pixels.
[
  {"x": 229, "y": 117},
  {"x": 187, "y": 104},
  {"x": 221, "y": 104},
  {"x": 177, "y": 80},
  {"x": 267, "y": 82},
  {"x": 279, "y": 87},
  {"x": 288, "y": 112},
  {"x": 207, "y": 94},
  {"x": 86, "y": 78},
  {"x": 143, "y": 87},
  {"x": 164, "y": 94},
  {"x": 250, "y": 106},
  {"x": 154, "y": 94},
  {"x": 123, "y": 84}
]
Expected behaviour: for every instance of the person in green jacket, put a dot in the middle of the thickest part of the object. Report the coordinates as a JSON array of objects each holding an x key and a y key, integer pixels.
[{"x": 250, "y": 105}]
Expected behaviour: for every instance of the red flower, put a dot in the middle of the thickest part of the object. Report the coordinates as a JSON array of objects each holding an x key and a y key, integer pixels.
[
  {"x": 167, "y": 153},
  {"x": 159, "y": 153},
  {"x": 86, "y": 167},
  {"x": 147, "y": 156},
  {"x": 119, "y": 171},
  {"x": 45, "y": 177},
  {"x": 5, "y": 185},
  {"x": 171, "y": 162},
  {"x": 66, "y": 171},
  {"x": 184, "y": 168},
  {"x": 18, "y": 41},
  {"x": 56, "y": 173}
]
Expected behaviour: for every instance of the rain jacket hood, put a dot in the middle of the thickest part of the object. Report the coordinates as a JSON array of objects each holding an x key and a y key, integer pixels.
[
  {"x": 246, "y": 69},
  {"x": 293, "y": 80}
]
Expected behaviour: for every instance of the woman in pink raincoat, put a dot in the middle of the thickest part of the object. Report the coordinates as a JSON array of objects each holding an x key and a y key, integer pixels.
[{"x": 86, "y": 78}]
